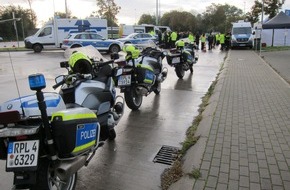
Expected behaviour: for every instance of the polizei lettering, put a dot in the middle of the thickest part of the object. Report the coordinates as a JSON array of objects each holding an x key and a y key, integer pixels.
[{"x": 88, "y": 134}]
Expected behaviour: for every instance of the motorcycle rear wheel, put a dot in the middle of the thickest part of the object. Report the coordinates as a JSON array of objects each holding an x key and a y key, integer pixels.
[
  {"x": 112, "y": 134},
  {"x": 157, "y": 87},
  {"x": 191, "y": 69},
  {"x": 47, "y": 180},
  {"x": 179, "y": 71},
  {"x": 132, "y": 99}
]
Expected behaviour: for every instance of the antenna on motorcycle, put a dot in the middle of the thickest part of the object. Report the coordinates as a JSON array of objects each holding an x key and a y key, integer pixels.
[{"x": 21, "y": 105}]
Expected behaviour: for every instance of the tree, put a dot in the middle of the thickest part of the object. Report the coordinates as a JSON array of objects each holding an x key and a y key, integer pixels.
[
  {"x": 271, "y": 8},
  {"x": 173, "y": 18},
  {"x": 108, "y": 9},
  {"x": 253, "y": 15},
  {"x": 147, "y": 19},
  {"x": 64, "y": 15},
  {"x": 219, "y": 17},
  {"x": 7, "y": 28}
]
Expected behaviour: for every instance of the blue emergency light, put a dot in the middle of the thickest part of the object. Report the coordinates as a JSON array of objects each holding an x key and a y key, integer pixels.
[{"x": 36, "y": 81}]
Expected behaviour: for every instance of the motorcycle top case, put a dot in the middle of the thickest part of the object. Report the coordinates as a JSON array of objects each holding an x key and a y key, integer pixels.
[
  {"x": 145, "y": 74},
  {"x": 75, "y": 131}
]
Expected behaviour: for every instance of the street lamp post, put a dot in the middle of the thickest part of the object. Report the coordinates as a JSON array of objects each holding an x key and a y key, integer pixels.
[{"x": 262, "y": 19}]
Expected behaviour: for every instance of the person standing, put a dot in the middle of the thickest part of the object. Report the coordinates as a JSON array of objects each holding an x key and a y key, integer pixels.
[
  {"x": 210, "y": 41},
  {"x": 217, "y": 39},
  {"x": 203, "y": 40},
  {"x": 222, "y": 41},
  {"x": 197, "y": 36},
  {"x": 228, "y": 41},
  {"x": 173, "y": 38},
  {"x": 191, "y": 37}
]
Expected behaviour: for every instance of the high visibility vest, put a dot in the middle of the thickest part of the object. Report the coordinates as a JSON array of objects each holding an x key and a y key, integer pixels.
[
  {"x": 191, "y": 38},
  {"x": 217, "y": 37},
  {"x": 202, "y": 38},
  {"x": 173, "y": 36},
  {"x": 222, "y": 38},
  {"x": 179, "y": 43}
]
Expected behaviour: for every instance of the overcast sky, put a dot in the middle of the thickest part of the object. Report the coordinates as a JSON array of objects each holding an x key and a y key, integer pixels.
[{"x": 131, "y": 10}]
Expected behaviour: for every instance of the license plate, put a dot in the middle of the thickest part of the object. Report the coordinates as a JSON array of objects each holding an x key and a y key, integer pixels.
[
  {"x": 242, "y": 44},
  {"x": 124, "y": 80},
  {"x": 176, "y": 60},
  {"x": 22, "y": 154}
]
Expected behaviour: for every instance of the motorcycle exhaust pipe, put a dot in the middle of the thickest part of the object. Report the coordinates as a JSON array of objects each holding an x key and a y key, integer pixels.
[{"x": 69, "y": 167}]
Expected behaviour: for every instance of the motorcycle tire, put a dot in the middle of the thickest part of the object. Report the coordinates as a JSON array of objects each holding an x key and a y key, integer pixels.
[
  {"x": 157, "y": 88},
  {"x": 46, "y": 178},
  {"x": 179, "y": 71},
  {"x": 112, "y": 134},
  {"x": 132, "y": 99}
]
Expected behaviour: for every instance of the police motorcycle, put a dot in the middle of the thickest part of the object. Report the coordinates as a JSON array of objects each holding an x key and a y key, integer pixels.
[
  {"x": 182, "y": 58},
  {"x": 45, "y": 143},
  {"x": 141, "y": 73},
  {"x": 90, "y": 83}
]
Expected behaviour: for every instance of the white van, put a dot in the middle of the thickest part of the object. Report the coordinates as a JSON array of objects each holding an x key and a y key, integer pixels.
[
  {"x": 54, "y": 31},
  {"x": 242, "y": 34}
]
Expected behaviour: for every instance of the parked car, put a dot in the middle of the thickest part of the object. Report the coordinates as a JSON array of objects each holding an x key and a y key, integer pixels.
[
  {"x": 74, "y": 40},
  {"x": 138, "y": 38}
]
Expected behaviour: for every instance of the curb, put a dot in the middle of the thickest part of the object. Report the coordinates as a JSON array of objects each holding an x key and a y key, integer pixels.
[{"x": 193, "y": 157}]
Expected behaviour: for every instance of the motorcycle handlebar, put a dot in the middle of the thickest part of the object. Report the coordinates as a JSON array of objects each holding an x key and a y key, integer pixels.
[{"x": 58, "y": 84}]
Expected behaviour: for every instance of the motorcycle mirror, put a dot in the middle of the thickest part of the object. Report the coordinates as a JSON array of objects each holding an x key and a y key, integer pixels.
[
  {"x": 59, "y": 79},
  {"x": 114, "y": 56},
  {"x": 64, "y": 64}
]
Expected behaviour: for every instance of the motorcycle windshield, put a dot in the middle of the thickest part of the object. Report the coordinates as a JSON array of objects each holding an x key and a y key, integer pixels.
[
  {"x": 90, "y": 51},
  {"x": 146, "y": 44}
]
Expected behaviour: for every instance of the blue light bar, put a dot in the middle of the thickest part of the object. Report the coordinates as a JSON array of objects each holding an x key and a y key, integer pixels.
[{"x": 36, "y": 82}]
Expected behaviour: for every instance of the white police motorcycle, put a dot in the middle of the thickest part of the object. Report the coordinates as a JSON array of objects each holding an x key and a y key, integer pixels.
[{"x": 46, "y": 141}]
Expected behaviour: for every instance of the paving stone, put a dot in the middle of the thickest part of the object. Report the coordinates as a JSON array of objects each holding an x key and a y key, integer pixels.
[{"x": 249, "y": 144}]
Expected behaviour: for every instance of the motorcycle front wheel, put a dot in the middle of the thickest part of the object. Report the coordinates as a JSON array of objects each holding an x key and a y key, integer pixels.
[
  {"x": 179, "y": 71},
  {"x": 48, "y": 180},
  {"x": 132, "y": 99}
]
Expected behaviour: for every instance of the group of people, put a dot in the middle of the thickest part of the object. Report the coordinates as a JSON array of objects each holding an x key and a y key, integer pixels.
[
  {"x": 215, "y": 40},
  {"x": 168, "y": 39}
]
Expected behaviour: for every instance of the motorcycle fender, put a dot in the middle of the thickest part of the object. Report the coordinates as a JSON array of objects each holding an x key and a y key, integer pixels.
[{"x": 23, "y": 178}]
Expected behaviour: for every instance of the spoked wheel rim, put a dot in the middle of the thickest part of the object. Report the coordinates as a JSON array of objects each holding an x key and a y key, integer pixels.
[{"x": 54, "y": 183}]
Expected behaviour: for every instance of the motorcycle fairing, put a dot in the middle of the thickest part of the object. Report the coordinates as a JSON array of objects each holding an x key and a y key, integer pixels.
[{"x": 28, "y": 104}]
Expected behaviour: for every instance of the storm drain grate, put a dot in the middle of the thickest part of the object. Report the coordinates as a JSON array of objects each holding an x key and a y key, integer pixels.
[{"x": 166, "y": 155}]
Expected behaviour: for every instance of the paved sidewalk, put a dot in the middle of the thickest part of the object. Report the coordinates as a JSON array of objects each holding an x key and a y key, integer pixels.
[{"x": 245, "y": 132}]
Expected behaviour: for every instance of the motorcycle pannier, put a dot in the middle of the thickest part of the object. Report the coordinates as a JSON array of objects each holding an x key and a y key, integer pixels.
[
  {"x": 145, "y": 74},
  {"x": 75, "y": 131}
]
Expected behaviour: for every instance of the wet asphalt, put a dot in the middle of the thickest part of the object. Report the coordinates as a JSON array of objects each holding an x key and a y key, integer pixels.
[{"x": 126, "y": 163}]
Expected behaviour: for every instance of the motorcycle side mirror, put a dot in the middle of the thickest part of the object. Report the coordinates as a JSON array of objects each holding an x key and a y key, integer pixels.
[
  {"x": 64, "y": 64},
  {"x": 59, "y": 79},
  {"x": 115, "y": 56}
]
